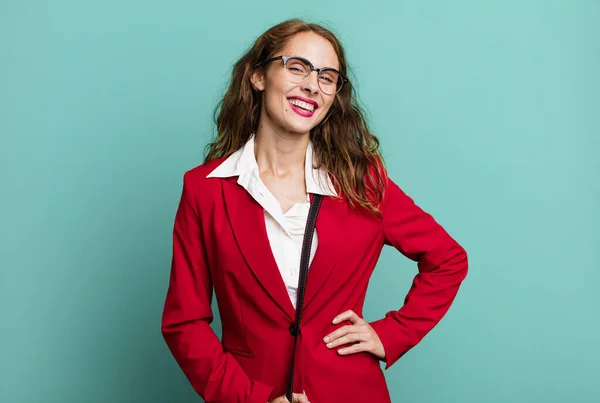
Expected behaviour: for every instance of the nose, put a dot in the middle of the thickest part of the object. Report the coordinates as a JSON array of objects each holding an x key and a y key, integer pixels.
[{"x": 311, "y": 84}]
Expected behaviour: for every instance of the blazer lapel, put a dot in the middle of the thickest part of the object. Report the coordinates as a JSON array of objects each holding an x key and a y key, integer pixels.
[{"x": 248, "y": 223}]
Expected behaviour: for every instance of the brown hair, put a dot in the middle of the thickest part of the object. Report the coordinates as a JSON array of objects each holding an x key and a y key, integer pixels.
[{"x": 342, "y": 143}]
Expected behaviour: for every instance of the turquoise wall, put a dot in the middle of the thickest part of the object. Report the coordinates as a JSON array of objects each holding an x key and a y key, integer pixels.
[{"x": 488, "y": 116}]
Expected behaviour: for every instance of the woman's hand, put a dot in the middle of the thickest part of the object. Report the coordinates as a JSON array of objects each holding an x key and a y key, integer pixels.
[
  {"x": 360, "y": 333},
  {"x": 296, "y": 398}
]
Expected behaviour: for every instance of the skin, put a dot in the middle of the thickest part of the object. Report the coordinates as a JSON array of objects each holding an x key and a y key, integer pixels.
[
  {"x": 280, "y": 150},
  {"x": 296, "y": 398},
  {"x": 282, "y": 135}
]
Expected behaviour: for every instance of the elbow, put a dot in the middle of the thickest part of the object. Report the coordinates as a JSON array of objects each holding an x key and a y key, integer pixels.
[
  {"x": 461, "y": 262},
  {"x": 164, "y": 331},
  {"x": 455, "y": 262},
  {"x": 168, "y": 327}
]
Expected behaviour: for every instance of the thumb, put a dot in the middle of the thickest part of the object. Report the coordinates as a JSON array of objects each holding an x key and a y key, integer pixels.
[{"x": 299, "y": 398}]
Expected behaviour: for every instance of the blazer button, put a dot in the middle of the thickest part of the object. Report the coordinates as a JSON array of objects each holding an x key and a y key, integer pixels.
[{"x": 294, "y": 330}]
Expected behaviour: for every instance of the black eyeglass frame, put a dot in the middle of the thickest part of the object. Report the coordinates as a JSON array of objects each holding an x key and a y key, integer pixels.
[{"x": 285, "y": 59}]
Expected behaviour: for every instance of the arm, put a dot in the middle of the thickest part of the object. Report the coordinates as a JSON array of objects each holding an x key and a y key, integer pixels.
[
  {"x": 442, "y": 265},
  {"x": 213, "y": 373}
]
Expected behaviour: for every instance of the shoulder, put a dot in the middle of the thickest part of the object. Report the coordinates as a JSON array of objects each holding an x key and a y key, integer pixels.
[
  {"x": 199, "y": 173},
  {"x": 195, "y": 181},
  {"x": 393, "y": 196}
]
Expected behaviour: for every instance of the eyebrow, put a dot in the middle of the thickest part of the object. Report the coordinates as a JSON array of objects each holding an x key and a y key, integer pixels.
[{"x": 324, "y": 67}]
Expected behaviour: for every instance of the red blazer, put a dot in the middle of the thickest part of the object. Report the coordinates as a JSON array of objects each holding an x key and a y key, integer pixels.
[{"x": 220, "y": 241}]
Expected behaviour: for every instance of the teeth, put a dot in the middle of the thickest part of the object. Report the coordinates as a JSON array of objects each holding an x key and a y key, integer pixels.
[{"x": 302, "y": 104}]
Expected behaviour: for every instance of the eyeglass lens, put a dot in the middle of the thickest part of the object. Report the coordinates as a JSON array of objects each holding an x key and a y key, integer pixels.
[{"x": 298, "y": 70}]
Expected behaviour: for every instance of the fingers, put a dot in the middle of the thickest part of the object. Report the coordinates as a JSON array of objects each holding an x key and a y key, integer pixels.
[
  {"x": 358, "y": 326},
  {"x": 342, "y": 331},
  {"x": 355, "y": 348},
  {"x": 349, "y": 338},
  {"x": 348, "y": 315},
  {"x": 359, "y": 334},
  {"x": 296, "y": 398},
  {"x": 299, "y": 398}
]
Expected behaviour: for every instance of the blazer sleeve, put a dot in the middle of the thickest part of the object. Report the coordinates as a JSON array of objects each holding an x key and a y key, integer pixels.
[
  {"x": 215, "y": 375},
  {"x": 442, "y": 266}
]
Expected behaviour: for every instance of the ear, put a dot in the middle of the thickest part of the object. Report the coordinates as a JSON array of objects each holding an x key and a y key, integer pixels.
[{"x": 257, "y": 80}]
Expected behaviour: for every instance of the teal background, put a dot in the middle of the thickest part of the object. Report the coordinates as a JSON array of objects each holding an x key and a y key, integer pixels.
[{"x": 487, "y": 114}]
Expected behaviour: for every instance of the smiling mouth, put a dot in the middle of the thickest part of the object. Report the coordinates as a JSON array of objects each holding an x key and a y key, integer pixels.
[{"x": 302, "y": 105}]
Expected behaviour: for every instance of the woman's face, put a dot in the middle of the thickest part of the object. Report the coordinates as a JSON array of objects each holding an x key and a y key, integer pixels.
[{"x": 282, "y": 111}]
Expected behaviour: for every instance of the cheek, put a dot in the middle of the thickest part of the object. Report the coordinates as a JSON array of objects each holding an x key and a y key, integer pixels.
[
  {"x": 273, "y": 104},
  {"x": 326, "y": 106},
  {"x": 275, "y": 96}
]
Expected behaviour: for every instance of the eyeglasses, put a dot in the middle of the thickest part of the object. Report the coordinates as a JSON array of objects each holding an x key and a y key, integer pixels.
[{"x": 297, "y": 69}]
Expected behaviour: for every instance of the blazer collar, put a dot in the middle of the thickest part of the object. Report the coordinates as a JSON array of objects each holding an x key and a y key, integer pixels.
[{"x": 242, "y": 163}]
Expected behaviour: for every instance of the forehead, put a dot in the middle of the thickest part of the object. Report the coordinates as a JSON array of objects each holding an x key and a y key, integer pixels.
[{"x": 313, "y": 47}]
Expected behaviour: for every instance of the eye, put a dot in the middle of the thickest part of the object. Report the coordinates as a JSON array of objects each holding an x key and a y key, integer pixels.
[
  {"x": 296, "y": 66},
  {"x": 329, "y": 76},
  {"x": 327, "y": 79}
]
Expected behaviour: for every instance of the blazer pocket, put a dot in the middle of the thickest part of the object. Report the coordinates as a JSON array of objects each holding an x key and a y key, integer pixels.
[{"x": 239, "y": 353}]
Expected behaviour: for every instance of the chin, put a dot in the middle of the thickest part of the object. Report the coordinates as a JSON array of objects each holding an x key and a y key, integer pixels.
[
  {"x": 300, "y": 130},
  {"x": 300, "y": 127}
]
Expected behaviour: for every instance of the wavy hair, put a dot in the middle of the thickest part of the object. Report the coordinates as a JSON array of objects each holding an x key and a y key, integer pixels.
[{"x": 342, "y": 143}]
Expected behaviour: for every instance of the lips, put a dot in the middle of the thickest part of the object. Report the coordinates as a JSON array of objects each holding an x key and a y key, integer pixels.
[{"x": 302, "y": 106}]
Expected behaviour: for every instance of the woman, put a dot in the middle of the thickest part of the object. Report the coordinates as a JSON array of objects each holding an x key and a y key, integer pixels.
[{"x": 289, "y": 128}]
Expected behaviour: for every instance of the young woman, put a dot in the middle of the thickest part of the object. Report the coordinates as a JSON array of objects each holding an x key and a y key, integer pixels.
[{"x": 289, "y": 128}]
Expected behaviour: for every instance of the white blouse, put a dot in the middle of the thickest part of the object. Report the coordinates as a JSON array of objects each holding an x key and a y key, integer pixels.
[{"x": 284, "y": 230}]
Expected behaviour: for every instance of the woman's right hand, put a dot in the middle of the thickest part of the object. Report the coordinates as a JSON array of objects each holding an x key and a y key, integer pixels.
[{"x": 296, "y": 398}]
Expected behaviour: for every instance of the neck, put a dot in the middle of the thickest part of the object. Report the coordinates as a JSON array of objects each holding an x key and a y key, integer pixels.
[{"x": 280, "y": 154}]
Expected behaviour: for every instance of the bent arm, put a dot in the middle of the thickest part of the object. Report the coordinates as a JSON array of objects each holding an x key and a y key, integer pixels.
[
  {"x": 442, "y": 265},
  {"x": 214, "y": 374}
]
